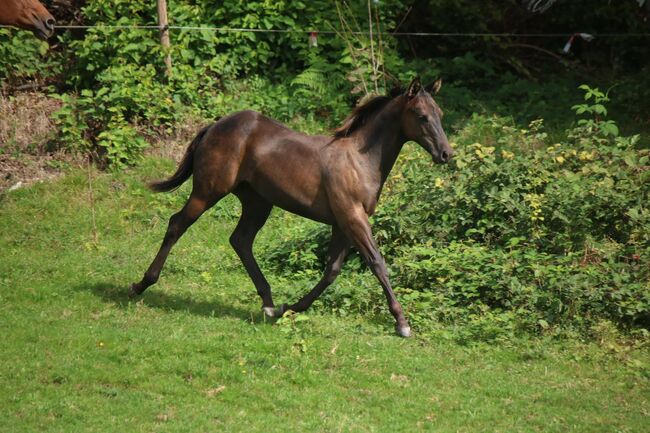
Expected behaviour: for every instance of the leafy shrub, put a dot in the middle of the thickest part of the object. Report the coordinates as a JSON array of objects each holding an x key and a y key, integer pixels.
[
  {"x": 597, "y": 110},
  {"x": 464, "y": 283},
  {"x": 555, "y": 198},
  {"x": 22, "y": 57},
  {"x": 529, "y": 236}
]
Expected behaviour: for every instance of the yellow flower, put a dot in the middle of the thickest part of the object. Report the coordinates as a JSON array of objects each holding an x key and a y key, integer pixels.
[
  {"x": 439, "y": 182},
  {"x": 559, "y": 159},
  {"x": 586, "y": 156},
  {"x": 507, "y": 155}
]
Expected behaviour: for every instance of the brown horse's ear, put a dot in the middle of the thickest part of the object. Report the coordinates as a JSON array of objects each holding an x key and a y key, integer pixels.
[
  {"x": 434, "y": 87},
  {"x": 414, "y": 88}
]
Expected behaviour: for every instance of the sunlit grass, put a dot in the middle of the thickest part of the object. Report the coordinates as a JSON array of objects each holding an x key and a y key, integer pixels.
[{"x": 195, "y": 353}]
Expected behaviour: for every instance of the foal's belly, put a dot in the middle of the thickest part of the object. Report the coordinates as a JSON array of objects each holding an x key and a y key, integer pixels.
[{"x": 289, "y": 176}]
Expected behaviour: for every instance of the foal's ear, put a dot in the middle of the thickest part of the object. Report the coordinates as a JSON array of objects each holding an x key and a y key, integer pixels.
[
  {"x": 434, "y": 87},
  {"x": 414, "y": 88}
]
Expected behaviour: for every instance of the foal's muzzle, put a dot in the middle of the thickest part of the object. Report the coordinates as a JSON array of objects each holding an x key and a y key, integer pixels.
[{"x": 442, "y": 156}]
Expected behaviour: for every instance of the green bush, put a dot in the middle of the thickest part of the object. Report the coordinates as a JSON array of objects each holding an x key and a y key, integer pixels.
[
  {"x": 554, "y": 197},
  {"x": 23, "y": 57},
  {"x": 518, "y": 235},
  {"x": 499, "y": 292}
]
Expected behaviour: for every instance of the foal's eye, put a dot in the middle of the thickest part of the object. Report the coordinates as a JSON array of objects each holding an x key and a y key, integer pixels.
[{"x": 423, "y": 117}]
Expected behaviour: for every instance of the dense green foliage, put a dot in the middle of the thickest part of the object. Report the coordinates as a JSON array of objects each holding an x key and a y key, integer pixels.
[
  {"x": 22, "y": 56},
  {"x": 556, "y": 236},
  {"x": 114, "y": 87}
]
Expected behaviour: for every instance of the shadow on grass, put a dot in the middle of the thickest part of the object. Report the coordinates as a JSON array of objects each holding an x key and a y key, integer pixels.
[{"x": 116, "y": 294}]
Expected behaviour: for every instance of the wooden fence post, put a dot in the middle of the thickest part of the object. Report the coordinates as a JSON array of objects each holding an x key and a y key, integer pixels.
[{"x": 163, "y": 23}]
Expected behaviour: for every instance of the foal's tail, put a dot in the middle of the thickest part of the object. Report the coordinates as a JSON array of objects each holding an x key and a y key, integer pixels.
[{"x": 184, "y": 170}]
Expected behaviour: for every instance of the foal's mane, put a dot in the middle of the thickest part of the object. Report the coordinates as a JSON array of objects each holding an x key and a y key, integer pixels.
[{"x": 361, "y": 114}]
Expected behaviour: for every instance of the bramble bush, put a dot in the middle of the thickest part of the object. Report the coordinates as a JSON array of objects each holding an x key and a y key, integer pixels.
[
  {"x": 24, "y": 57},
  {"x": 523, "y": 235}
]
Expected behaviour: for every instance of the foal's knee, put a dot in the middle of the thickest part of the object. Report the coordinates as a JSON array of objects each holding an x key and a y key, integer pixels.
[{"x": 238, "y": 241}]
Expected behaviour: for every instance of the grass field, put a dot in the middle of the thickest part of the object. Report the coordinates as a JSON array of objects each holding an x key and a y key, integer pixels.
[{"x": 195, "y": 354}]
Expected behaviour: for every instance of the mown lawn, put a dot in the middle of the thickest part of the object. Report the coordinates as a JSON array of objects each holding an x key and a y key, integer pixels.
[{"x": 195, "y": 354}]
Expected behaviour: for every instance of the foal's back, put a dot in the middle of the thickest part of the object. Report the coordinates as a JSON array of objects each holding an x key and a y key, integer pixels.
[{"x": 248, "y": 149}]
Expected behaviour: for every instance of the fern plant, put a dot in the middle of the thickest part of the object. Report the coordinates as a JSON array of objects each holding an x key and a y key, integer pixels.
[{"x": 321, "y": 87}]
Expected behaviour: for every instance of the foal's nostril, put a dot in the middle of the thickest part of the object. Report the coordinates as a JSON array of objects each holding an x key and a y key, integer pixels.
[
  {"x": 444, "y": 155},
  {"x": 49, "y": 23}
]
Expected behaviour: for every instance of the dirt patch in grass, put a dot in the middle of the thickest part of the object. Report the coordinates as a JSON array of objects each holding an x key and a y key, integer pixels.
[
  {"x": 26, "y": 127},
  {"x": 24, "y": 170},
  {"x": 172, "y": 145},
  {"x": 26, "y": 124}
]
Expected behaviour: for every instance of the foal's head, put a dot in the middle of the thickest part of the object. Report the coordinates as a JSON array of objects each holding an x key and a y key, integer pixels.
[{"x": 421, "y": 120}]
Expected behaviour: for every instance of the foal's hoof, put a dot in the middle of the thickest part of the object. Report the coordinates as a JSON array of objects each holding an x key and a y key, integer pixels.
[
  {"x": 134, "y": 291},
  {"x": 272, "y": 312},
  {"x": 403, "y": 331}
]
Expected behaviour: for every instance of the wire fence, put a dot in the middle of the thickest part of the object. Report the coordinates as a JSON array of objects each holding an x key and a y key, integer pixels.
[{"x": 332, "y": 32}]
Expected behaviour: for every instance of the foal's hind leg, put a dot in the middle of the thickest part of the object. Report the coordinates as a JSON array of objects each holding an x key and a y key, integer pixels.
[
  {"x": 255, "y": 212},
  {"x": 338, "y": 249},
  {"x": 178, "y": 223}
]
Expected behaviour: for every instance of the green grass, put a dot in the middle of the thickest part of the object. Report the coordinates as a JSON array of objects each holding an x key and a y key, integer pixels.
[{"x": 195, "y": 354}]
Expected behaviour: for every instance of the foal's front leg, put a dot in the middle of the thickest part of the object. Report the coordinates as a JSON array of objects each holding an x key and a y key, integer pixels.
[{"x": 354, "y": 222}]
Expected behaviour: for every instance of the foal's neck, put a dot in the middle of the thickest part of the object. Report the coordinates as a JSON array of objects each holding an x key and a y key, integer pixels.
[{"x": 382, "y": 138}]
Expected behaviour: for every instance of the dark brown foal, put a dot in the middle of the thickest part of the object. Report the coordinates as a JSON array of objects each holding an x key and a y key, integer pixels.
[{"x": 335, "y": 180}]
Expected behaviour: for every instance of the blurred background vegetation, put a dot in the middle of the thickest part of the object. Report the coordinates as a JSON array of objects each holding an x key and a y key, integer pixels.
[
  {"x": 540, "y": 225},
  {"x": 114, "y": 79}
]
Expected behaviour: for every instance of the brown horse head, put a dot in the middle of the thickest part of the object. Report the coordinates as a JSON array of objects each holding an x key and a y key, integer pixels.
[
  {"x": 29, "y": 15},
  {"x": 421, "y": 120}
]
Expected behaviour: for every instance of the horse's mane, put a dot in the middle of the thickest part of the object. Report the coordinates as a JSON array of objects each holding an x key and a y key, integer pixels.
[{"x": 362, "y": 113}]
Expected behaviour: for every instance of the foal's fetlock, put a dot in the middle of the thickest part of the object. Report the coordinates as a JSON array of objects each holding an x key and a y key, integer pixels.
[
  {"x": 273, "y": 312},
  {"x": 135, "y": 290},
  {"x": 403, "y": 330}
]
